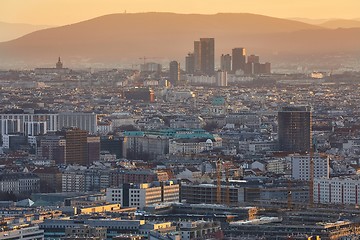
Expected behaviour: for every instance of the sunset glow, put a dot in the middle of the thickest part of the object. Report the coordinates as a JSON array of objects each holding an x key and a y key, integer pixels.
[{"x": 52, "y": 12}]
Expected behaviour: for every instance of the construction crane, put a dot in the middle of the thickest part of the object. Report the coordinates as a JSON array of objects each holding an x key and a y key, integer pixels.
[
  {"x": 311, "y": 183},
  {"x": 227, "y": 193},
  {"x": 220, "y": 168},
  {"x": 146, "y": 58},
  {"x": 289, "y": 196},
  {"x": 218, "y": 181}
]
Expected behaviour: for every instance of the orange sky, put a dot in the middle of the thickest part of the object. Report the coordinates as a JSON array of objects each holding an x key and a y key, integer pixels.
[{"x": 59, "y": 12}]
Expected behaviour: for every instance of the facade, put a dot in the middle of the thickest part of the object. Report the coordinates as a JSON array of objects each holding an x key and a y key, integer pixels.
[
  {"x": 76, "y": 146},
  {"x": 121, "y": 176},
  {"x": 337, "y": 191},
  {"x": 189, "y": 63},
  {"x": 50, "y": 179},
  {"x": 294, "y": 130},
  {"x": 35, "y": 128},
  {"x": 199, "y": 230},
  {"x": 113, "y": 145},
  {"x": 225, "y": 63},
  {"x": 207, "y": 54},
  {"x": 193, "y": 146},
  {"x": 197, "y": 56},
  {"x": 55, "y": 228},
  {"x": 221, "y": 78},
  {"x": 82, "y": 180},
  {"x": 85, "y": 232},
  {"x": 52, "y": 148},
  {"x": 19, "y": 183},
  {"x": 238, "y": 59},
  {"x": 174, "y": 72},
  {"x": 145, "y": 145},
  {"x": 15, "y": 122},
  {"x": 264, "y": 146},
  {"x": 26, "y": 233},
  {"x": 143, "y": 195},
  {"x": 34, "y": 122},
  {"x": 93, "y": 149},
  {"x": 300, "y": 166},
  {"x": 73, "y": 182},
  {"x": 206, "y": 193},
  {"x": 83, "y": 121},
  {"x": 187, "y": 122},
  {"x": 243, "y": 118}
]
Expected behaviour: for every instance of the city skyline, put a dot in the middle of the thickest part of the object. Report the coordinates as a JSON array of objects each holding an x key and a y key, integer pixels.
[{"x": 68, "y": 12}]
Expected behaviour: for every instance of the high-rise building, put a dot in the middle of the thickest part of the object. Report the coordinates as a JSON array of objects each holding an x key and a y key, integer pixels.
[
  {"x": 93, "y": 149},
  {"x": 189, "y": 63},
  {"x": 76, "y": 146},
  {"x": 174, "y": 73},
  {"x": 238, "y": 59},
  {"x": 83, "y": 121},
  {"x": 253, "y": 59},
  {"x": 225, "y": 62},
  {"x": 294, "y": 130},
  {"x": 207, "y": 56},
  {"x": 221, "y": 78},
  {"x": 197, "y": 56}
]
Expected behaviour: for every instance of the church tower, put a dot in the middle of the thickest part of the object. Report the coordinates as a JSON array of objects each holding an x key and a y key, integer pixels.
[{"x": 59, "y": 64}]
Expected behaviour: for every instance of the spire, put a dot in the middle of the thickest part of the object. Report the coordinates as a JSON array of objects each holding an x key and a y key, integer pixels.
[{"x": 59, "y": 64}]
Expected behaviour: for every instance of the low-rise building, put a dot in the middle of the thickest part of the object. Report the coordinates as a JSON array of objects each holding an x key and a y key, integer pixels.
[
  {"x": 142, "y": 195},
  {"x": 19, "y": 183}
]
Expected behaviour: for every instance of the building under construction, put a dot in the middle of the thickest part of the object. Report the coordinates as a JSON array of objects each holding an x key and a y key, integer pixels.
[{"x": 294, "y": 128}]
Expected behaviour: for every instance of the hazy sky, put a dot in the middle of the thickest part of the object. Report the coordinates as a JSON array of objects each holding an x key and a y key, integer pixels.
[{"x": 59, "y": 12}]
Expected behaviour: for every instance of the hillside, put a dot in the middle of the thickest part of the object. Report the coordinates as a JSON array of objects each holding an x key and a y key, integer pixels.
[
  {"x": 120, "y": 38},
  {"x": 341, "y": 23}
]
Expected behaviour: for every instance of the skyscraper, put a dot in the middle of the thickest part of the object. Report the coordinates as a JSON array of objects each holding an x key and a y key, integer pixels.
[
  {"x": 174, "y": 72},
  {"x": 207, "y": 56},
  {"x": 238, "y": 59},
  {"x": 197, "y": 56},
  {"x": 225, "y": 62},
  {"x": 189, "y": 63},
  {"x": 76, "y": 146},
  {"x": 294, "y": 130}
]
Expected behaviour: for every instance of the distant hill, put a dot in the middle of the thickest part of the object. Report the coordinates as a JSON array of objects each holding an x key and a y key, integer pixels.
[
  {"x": 311, "y": 21},
  {"x": 120, "y": 38},
  {"x": 341, "y": 23},
  {"x": 10, "y": 31}
]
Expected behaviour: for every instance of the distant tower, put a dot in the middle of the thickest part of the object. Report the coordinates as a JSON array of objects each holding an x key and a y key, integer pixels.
[
  {"x": 294, "y": 128},
  {"x": 197, "y": 56},
  {"x": 225, "y": 62},
  {"x": 207, "y": 56},
  {"x": 238, "y": 59},
  {"x": 59, "y": 64},
  {"x": 189, "y": 64},
  {"x": 174, "y": 73}
]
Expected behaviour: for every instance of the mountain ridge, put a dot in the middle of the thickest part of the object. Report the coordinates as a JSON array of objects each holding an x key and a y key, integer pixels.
[{"x": 116, "y": 38}]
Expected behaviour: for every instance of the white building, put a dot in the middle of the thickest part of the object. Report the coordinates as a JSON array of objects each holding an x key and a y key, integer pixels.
[
  {"x": 193, "y": 145},
  {"x": 19, "y": 183},
  {"x": 73, "y": 182},
  {"x": 10, "y": 122},
  {"x": 300, "y": 166},
  {"x": 26, "y": 233},
  {"x": 35, "y": 128},
  {"x": 84, "y": 121},
  {"x": 336, "y": 191},
  {"x": 142, "y": 195}
]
